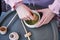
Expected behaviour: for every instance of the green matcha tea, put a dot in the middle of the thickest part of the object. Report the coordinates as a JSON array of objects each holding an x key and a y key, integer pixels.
[{"x": 32, "y": 22}]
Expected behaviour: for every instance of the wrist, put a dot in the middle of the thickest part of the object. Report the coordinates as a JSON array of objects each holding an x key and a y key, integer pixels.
[
  {"x": 52, "y": 12},
  {"x": 54, "y": 7},
  {"x": 17, "y": 4}
]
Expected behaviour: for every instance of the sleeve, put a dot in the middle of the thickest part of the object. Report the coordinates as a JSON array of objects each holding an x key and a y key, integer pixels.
[
  {"x": 12, "y": 2},
  {"x": 55, "y": 7}
]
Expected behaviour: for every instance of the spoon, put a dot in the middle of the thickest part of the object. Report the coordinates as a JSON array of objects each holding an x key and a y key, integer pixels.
[{"x": 3, "y": 29}]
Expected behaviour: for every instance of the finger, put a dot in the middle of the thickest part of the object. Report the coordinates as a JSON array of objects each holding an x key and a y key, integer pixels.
[
  {"x": 45, "y": 21},
  {"x": 27, "y": 8},
  {"x": 40, "y": 10},
  {"x": 28, "y": 18},
  {"x": 24, "y": 18},
  {"x": 48, "y": 19},
  {"x": 31, "y": 17},
  {"x": 41, "y": 21}
]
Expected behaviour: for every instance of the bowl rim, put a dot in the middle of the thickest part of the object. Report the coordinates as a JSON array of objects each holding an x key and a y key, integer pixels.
[{"x": 32, "y": 26}]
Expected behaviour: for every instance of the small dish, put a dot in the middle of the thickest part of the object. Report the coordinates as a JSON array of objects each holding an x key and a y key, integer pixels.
[
  {"x": 13, "y": 36},
  {"x": 3, "y": 30}
]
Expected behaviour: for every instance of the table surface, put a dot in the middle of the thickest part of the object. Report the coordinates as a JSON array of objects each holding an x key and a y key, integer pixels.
[{"x": 43, "y": 33}]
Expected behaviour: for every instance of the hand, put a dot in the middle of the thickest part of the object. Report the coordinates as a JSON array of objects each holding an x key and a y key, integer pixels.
[
  {"x": 24, "y": 12},
  {"x": 46, "y": 17}
]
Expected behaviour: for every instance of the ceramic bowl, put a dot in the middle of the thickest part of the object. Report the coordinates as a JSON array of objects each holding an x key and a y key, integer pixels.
[{"x": 34, "y": 25}]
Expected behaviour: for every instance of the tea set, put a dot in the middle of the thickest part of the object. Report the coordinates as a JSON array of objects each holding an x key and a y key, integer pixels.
[{"x": 14, "y": 35}]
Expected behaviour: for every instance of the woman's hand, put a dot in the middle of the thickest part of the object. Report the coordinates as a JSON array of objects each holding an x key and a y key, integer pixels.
[
  {"x": 24, "y": 12},
  {"x": 46, "y": 17}
]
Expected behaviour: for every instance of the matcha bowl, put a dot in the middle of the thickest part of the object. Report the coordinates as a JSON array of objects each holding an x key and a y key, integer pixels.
[{"x": 32, "y": 23}]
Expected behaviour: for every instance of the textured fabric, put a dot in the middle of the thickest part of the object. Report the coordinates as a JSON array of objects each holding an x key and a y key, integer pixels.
[
  {"x": 12, "y": 2},
  {"x": 44, "y": 33},
  {"x": 4, "y": 7},
  {"x": 44, "y": 3},
  {"x": 55, "y": 7},
  {"x": 38, "y": 2}
]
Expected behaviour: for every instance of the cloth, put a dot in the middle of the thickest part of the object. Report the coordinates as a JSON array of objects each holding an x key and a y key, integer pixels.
[
  {"x": 44, "y": 33},
  {"x": 54, "y": 7},
  {"x": 43, "y": 3},
  {"x": 4, "y": 7}
]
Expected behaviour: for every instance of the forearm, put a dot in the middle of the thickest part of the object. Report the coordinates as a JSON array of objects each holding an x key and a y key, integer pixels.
[{"x": 55, "y": 7}]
